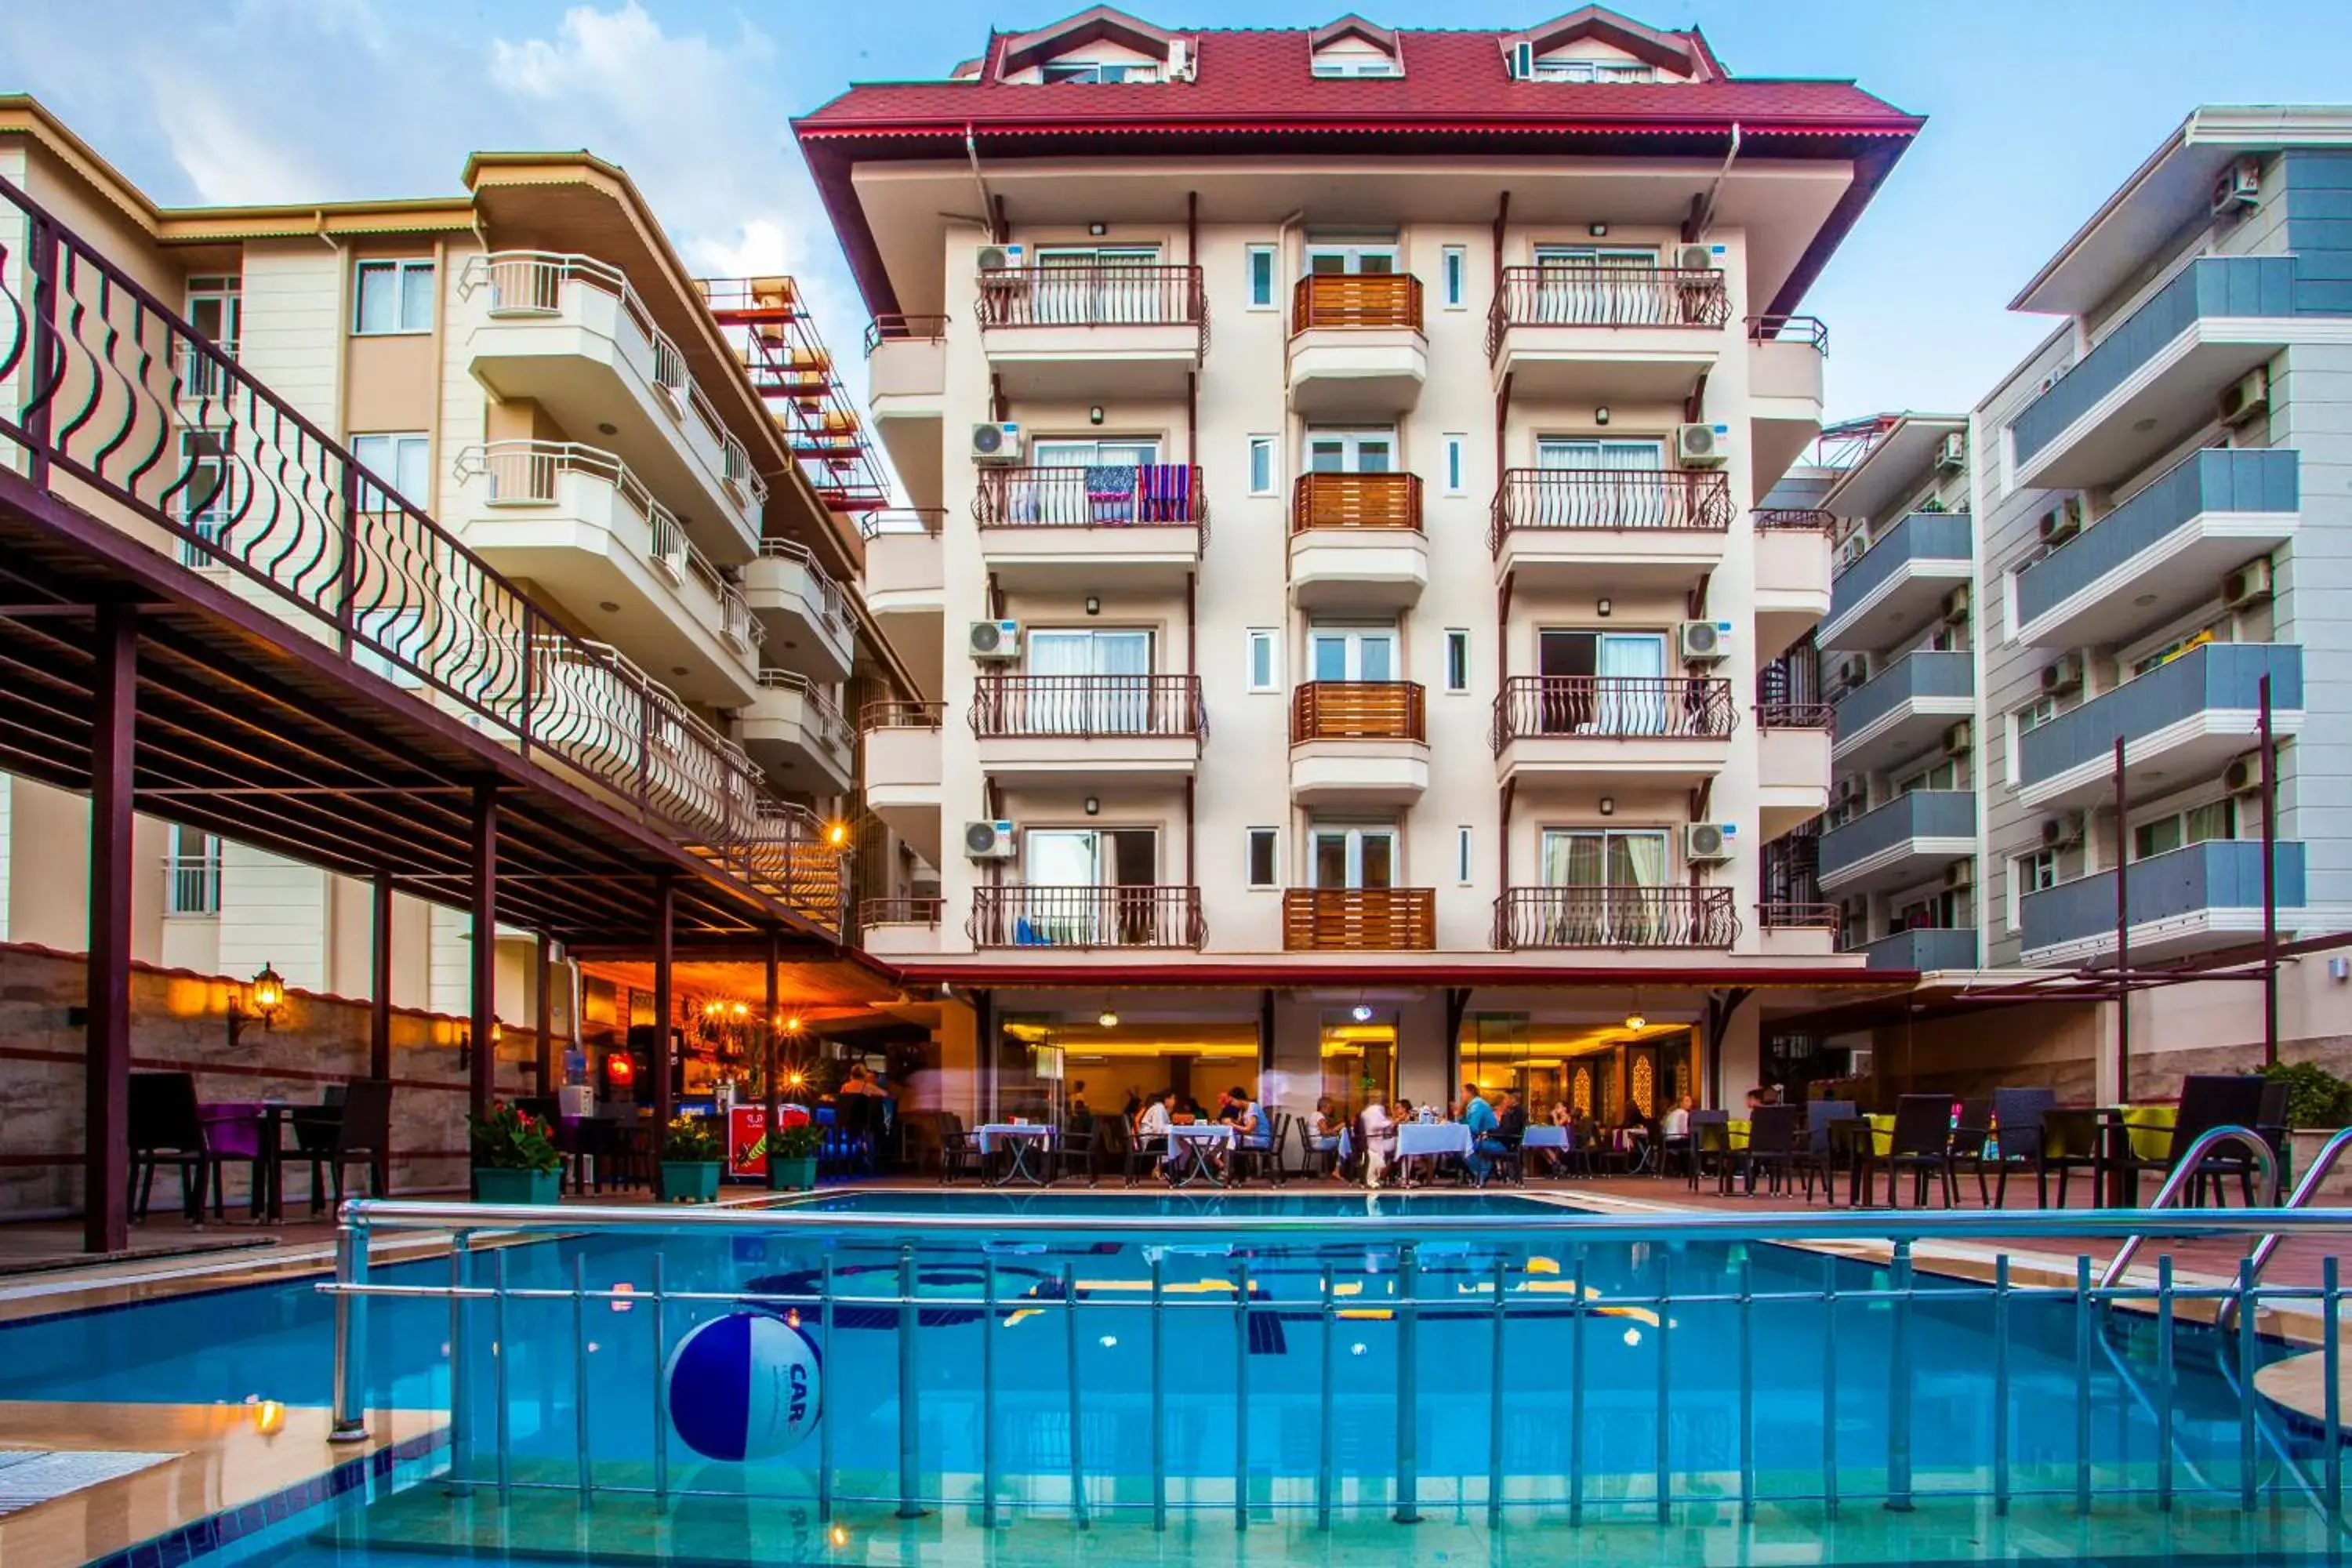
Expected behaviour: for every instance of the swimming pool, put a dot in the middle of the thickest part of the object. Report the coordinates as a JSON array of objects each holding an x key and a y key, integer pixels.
[{"x": 1288, "y": 1362}]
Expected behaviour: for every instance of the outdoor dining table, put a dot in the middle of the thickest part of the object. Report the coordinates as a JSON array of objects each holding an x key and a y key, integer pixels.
[
  {"x": 1546, "y": 1137},
  {"x": 1429, "y": 1141},
  {"x": 266, "y": 1201},
  {"x": 1191, "y": 1146},
  {"x": 1020, "y": 1139}
]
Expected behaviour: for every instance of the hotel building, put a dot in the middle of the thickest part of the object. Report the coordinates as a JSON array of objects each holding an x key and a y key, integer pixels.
[{"x": 1340, "y": 576}]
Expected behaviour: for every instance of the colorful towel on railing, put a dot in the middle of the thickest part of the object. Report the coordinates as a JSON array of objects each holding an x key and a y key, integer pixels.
[
  {"x": 1164, "y": 492},
  {"x": 1110, "y": 481}
]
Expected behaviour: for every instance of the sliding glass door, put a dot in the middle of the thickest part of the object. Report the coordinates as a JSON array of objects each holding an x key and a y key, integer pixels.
[
  {"x": 1606, "y": 876},
  {"x": 1099, "y": 681}
]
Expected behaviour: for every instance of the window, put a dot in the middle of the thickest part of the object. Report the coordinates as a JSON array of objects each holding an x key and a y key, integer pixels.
[
  {"x": 2035, "y": 714},
  {"x": 2031, "y": 874},
  {"x": 1336, "y": 451},
  {"x": 1462, "y": 855},
  {"x": 1944, "y": 774},
  {"x": 1107, "y": 688},
  {"x": 1568, "y": 452},
  {"x": 1457, "y": 463},
  {"x": 1606, "y": 876},
  {"x": 1264, "y": 861},
  {"x": 206, "y": 499},
  {"x": 1264, "y": 659},
  {"x": 1354, "y": 653},
  {"x": 2215, "y": 819},
  {"x": 1457, "y": 660},
  {"x": 1263, "y": 481},
  {"x": 1101, "y": 70},
  {"x": 1454, "y": 275},
  {"x": 192, "y": 872},
  {"x": 217, "y": 309},
  {"x": 1335, "y": 65},
  {"x": 1261, "y": 276},
  {"x": 1594, "y": 70},
  {"x": 1354, "y": 856},
  {"x": 394, "y": 297},
  {"x": 2170, "y": 651},
  {"x": 1333, "y": 256},
  {"x": 1063, "y": 866},
  {"x": 403, "y": 461}
]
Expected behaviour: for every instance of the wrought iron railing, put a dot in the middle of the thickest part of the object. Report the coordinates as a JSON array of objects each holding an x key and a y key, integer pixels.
[
  {"x": 1793, "y": 519},
  {"x": 1110, "y": 495},
  {"x": 1614, "y": 917},
  {"x": 915, "y": 912},
  {"x": 1783, "y": 915},
  {"x": 1811, "y": 330},
  {"x": 896, "y": 715},
  {"x": 1094, "y": 294},
  {"x": 902, "y": 519},
  {"x": 1359, "y": 711},
  {"x": 529, "y": 283},
  {"x": 1087, "y": 916},
  {"x": 1607, "y": 296},
  {"x": 819, "y": 715},
  {"x": 1796, "y": 715},
  {"x": 891, "y": 327},
  {"x": 94, "y": 362},
  {"x": 1612, "y": 707},
  {"x": 1355, "y": 501},
  {"x": 1350, "y": 920},
  {"x": 1327, "y": 300},
  {"x": 1652, "y": 500},
  {"x": 191, "y": 884},
  {"x": 832, "y": 604},
  {"x": 1088, "y": 706}
]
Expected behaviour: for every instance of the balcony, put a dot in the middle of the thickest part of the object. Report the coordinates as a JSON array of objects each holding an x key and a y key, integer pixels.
[
  {"x": 1923, "y": 948},
  {"x": 792, "y": 729},
  {"x": 906, "y": 392},
  {"x": 1356, "y": 540},
  {"x": 1595, "y": 730},
  {"x": 1902, "y": 711},
  {"x": 1784, "y": 394},
  {"x": 802, "y": 610},
  {"x": 1121, "y": 916},
  {"x": 1355, "y": 344},
  {"x": 1626, "y": 528},
  {"x": 906, "y": 584},
  {"x": 899, "y": 928},
  {"x": 1792, "y": 575},
  {"x": 1632, "y": 335},
  {"x": 570, "y": 334},
  {"x": 577, "y": 523},
  {"x": 2190, "y": 899},
  {"x": 1907, "y": 841},
  {"x": 1049, "y": 529},
  {"x": 2181, "y": 721},
  {"x": 1614, "y": 918},
  {"x": 1137, "y": 329},
  {"x": 2152, "y": 380},
  {"x": 1787, "y": 930},
  {"x": 902, "y": 771},
  {"x": 2159, "y": 554},
  {"x": 1899, "y": 588},
  {"x": 1136, "y": 728},
  {"x": 1360, "y": 920},
  {"x": 1792, "y": 764},
  {"x": 1358, "y": 742}
]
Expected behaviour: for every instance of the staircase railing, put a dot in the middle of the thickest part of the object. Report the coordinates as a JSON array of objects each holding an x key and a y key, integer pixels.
[{"x": 2184, "y": 1172}]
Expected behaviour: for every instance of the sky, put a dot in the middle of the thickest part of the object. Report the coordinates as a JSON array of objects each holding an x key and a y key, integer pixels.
[{"x": 2036, "y": 110}]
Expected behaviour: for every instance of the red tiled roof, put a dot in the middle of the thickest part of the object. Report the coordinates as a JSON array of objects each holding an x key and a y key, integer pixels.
[{"x": 1452, "y": 81}]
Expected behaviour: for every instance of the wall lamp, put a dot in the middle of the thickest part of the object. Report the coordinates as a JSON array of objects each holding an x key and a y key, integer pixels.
[{"x": 261, "y": 1003}]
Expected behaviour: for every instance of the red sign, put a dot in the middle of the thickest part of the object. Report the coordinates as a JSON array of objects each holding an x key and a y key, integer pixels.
[{"x": 747, "y": 1142}]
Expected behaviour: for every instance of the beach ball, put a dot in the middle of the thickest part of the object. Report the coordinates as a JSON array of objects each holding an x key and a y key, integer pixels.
[{"x": 744, "y": 1386}]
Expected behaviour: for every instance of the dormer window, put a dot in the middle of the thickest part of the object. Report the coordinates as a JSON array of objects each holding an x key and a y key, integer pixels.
[
  {"x": 1098, "y": 45},
  {"x": 1594, "y": 70},
  {"x": 1593, "y": 44},
  {"x": 1352, "y": 47},
  {"x": 1099, "y": 70},
  {"x": 1362, "y": 65}
]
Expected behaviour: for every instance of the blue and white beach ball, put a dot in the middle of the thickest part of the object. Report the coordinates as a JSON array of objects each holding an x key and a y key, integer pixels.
[{"x": 744, "y": 1386}]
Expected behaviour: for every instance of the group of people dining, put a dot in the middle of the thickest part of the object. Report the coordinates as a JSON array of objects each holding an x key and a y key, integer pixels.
[{"x": 1152, "y": 1122}]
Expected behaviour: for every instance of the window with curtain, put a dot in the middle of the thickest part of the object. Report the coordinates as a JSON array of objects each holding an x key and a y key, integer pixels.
[
  {"x": 1115, "y": 699},
  {"x": 1603, "y": 871}
]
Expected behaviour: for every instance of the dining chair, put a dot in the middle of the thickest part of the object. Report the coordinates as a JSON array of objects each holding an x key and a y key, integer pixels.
[
  {"x": 1822, "y": 1152},
  {"x": 166, "y": 1129},
  {"x": 362, "y": 1133}
]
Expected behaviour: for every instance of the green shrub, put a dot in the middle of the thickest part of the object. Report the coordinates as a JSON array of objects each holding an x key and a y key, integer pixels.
[
  {"x": 510, "y": 1139},
  {"x": 2315, "y": 1097},
  {"x": 689, "y": 1140}
]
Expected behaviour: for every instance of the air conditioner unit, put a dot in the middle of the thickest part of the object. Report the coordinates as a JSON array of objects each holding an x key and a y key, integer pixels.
[
  {"x": 2064, "y": 675},
  {"x": 1703, "y": 446},
  {"x": 995, "y": 443},
  {"x": 2238, "y": 189},
  {"x": 1853, "y": 669},
  {"x": 996, "y": 639},
  {"x": 1953, "y": 453},
  {"x": 1180, "y": 59},
  {"x": 988, "y": 840},
  {"x": 1960, "y": 738},
  {"x": 1002, "y": 257},
  {"x": 1851, "y": 787},
  {"x": 2062, "y": 832},
  {"x": 1695, "y": 259},
  {"x": 2248, "y": 395},
  {"x": 1961, "y": 875},
  {"x": 1707, "y": 841},
  {"x": 2244, "y": 774},
  {"x": 2247, "y": 586},
  {"x": 1522, "y": 62},
  {"x": 2060, "y": 522},
  {"x": 1703, "y": 642},
  {"x": 1956, "y": 604},
  {"x": 1854, "y": 546}
]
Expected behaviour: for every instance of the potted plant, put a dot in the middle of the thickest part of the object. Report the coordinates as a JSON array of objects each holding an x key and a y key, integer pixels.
[
  {"x": 690, "y": 1162},
  {"x": 2317, "y": 1103},
  {"x": 792, "y": 1153},
  {"x": 515, "y": 1159}
]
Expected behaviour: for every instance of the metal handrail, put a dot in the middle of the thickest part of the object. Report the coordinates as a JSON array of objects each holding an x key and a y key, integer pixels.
[
  {"x": 2304, "y": 1191},
  {"x": 2184, "y": 1171},
  {"x": 830, "y": 723},
  {"x": 833, "y": 604}
]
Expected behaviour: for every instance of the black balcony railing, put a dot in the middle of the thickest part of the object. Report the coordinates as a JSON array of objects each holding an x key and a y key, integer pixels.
[
  {"x": 1108, "y": 294},
  {"x": 1607, "y": 296},
  {"x": 1795, "y": 716},
  {"x": 1107, "y": 495},
  {"x": 1615, "y": 917},
  {"x": 1695, "y": 501},
  {"x": 1612, "y": 707},
  {"x": 1087, "y": 917},
  {"x": 894, "y": 328},
  {"x": 1088, "y": 706}
]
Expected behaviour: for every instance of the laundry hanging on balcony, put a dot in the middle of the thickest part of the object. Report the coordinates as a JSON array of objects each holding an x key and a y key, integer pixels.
[{"x": 1148, "y": 492}]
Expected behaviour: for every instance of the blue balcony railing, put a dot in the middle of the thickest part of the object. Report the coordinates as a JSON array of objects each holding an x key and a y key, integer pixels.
[
  {"x": 1924, "y": 673},
  {"x": 2220, "y": 874},
  {"x": 2251, "y": 480},
  {"x": 1921, "y": 536},
  {"x": 1923, "y": 949},
  {"x": 2211, "y": 286},
  {"x": 2225, "y": 676},
  {"x": 1922, "y": 813}
]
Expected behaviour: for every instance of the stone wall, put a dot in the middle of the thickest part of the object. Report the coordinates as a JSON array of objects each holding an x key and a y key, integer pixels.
[{"x": 179, "y": 1023}]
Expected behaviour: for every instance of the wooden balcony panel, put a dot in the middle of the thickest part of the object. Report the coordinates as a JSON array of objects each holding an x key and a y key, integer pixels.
[
  {"x": 1359, "y": 711},
  {"x": 1356, "y": 500},
  {"x": 1328, "y": 299},
  {"x": 1347, "y": 919}
]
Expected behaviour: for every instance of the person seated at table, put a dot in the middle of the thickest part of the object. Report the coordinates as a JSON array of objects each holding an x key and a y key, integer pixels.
[
  {"x": 860, "y": 1082},
  {"x": 1511, "y": 1117},
  {"x": 1561, "y": 1116},
  {"x": 1478, "y": 1116},
  {"x": 1190, "y": 1109},
  {"x": 1323, "y": 1128},
  {"x": 1132, "y": 1109},
  {"x": 1403, "y": 1111},
  {"x": 1252, "y": 1130},
  {"x": 1378, "y": 1130},
  {"x": 1152, "y": 1127}
]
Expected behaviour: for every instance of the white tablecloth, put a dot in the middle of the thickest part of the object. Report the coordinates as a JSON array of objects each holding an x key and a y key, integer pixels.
[
  {"x": 1036, "y": 1132},
  {"x": 1422, "y": 1137}
]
